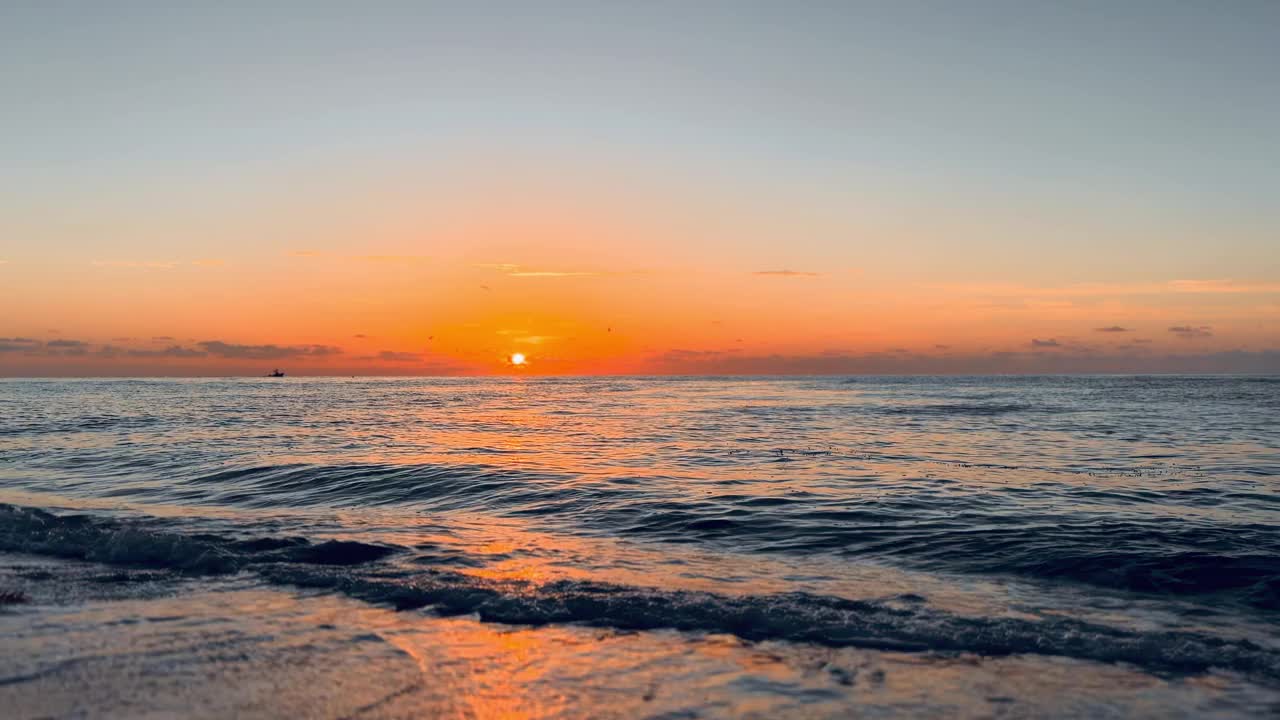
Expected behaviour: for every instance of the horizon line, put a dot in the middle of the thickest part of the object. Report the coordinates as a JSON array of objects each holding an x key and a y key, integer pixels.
[{"x": 1084, "y": 373}]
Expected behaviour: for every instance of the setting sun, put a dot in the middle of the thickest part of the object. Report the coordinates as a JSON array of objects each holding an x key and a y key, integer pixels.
[{"x": 517, "y": 358}]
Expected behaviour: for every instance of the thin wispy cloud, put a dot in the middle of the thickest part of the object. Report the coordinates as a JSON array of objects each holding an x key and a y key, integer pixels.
[
  {"x": 158, "y": 264},
  {"x": 1171, "y": 287},
  {"x": 679, "y": 355},
  {"x": 1050, "y": 343},
  {"x": 1113, "y": 329},
  {"x": 397, "y": 356},
  {"x": 392, "y": 259},
  {"x": 1223, "y": 287},
  {"x": 66, "y": 347},
  {"x": 549, "y": 273},
  {"x": 514, "y": 270},
  {"x": 222, "y": 349},
  {"x": 786, "y": 273},
  {"x": 173, "y": 351},
  {"x": 1189, "y": 332},
  {"x": 18, "y": 344},
  {"x": 999, "y": 361},
  {"x": 143, "y": 264},
  {"x": 389, "y": 259}
]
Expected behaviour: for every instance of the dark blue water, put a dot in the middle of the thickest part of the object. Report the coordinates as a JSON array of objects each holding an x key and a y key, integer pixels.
[{"x": 1105, "y": 519}]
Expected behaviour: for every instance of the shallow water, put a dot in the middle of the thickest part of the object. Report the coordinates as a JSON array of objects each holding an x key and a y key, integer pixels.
[{"x": 1114, "y": 524}]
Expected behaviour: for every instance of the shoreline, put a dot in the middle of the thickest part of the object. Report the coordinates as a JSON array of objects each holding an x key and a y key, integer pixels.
[{"x": 105, "y": 641}]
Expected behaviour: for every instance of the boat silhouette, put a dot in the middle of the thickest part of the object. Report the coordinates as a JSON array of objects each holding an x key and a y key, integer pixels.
[{"x": 275, "y": 373}]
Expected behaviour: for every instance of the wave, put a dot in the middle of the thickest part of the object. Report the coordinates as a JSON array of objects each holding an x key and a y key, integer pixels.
[
  {"x": 80, "y": 424},
  {"x": 84, "y": 537},
  {"x": 1040, "y": 531},
  {"x": 446, "y": 486},
  {"x": 962, "y": 409},
  {"x": 360, "y": 571}
]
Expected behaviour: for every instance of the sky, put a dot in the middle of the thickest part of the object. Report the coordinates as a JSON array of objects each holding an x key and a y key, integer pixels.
[{"x": 651, "y": 188}]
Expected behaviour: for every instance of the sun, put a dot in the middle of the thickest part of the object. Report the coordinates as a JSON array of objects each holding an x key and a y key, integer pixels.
[{"x": 517, "y": 359}]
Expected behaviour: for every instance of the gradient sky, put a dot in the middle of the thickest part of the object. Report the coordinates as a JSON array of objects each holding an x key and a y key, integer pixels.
[{"x": 691, "y": 187}]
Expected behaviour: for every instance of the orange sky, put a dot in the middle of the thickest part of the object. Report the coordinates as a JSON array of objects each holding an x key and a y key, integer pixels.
[{"x": 835, "y": 191}]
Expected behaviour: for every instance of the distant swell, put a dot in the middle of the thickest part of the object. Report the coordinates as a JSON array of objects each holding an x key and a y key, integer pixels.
[
  {"x": 944, "y": 409},
  {"x": 370, "y": 484},
  {"x": 800, "y": 617}
]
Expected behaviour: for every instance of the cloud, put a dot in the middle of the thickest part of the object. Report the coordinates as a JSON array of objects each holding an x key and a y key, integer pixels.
[
  {"x": 66, "y": 347},
  {"x": 61, "y": 347},
  {"x": 161, "y": 338},
  {"x": 1050, "y": 343},
  {"x": 1188, "y": 332},
  {"x": 1229, "y": 287},
  {"x": 681, "y": 356},
  {"x": 1113, "y": 329},
  {"x": 396, "y": 362},
  {"x": 173, "y": 351},
  {"x": 157, "y": 264},
  {"x": 396, "y": 356},
  {"x": 222, "y": 349},
  {"x": 693, "y": 362},
  {"x": 304, "y": 253},
  {"x": 513, "y": 270},
  {"x": 941, "y": 347},
  {"x": 393, "y": 259},
  {"x": 18, "y": 344},
  {"x": 786, "y": 273},
  {"x": 1095, "y": 290},
  {"x": 535, "y": 339},
  {"x": 361, "y": 336},
  {"x": 143, "y": 264}
]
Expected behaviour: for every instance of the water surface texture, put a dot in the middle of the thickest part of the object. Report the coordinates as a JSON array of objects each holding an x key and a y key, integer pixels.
[{"x": 1120, "y": 525}]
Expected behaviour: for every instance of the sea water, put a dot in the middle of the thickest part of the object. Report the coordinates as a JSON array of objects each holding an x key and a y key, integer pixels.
[{"x": 641, "y": 547}]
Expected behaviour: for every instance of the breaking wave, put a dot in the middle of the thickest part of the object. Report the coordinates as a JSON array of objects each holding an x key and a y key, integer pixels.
[{"x": 363, "y": 571}]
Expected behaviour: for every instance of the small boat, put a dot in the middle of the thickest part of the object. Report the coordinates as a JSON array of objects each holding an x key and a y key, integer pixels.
[{"x": 276, "y": 373}]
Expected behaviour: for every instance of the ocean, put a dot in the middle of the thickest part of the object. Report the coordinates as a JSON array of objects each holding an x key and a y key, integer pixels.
[{"x": 1071, "y": 546}]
